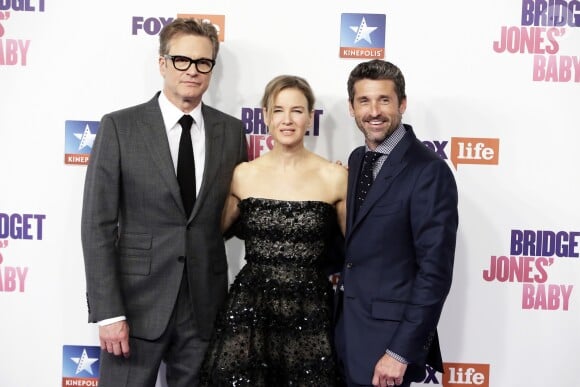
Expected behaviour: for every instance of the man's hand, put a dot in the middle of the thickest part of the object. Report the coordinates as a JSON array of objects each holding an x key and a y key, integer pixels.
[
  {"x": 115, "y": 338},
  {"x": 388, "y": 372}
]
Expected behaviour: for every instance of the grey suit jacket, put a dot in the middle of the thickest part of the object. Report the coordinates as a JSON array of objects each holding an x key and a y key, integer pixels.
[{"x": 135, "y": 235}]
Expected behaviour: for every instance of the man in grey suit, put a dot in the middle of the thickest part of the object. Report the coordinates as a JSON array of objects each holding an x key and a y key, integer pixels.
[{"x": 156, "y": 268}]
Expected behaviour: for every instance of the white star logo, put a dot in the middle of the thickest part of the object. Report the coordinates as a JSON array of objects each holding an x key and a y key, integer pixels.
[
  {"x": 363, "y": 31},
  {"x": 84, "y": 362},
  {"x": 87, "y": 138}
]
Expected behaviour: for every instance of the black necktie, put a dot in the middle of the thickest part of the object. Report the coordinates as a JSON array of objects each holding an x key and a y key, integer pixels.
[
  {"x": 366, "y": 177},
  {"x": 186, "y": 165}
]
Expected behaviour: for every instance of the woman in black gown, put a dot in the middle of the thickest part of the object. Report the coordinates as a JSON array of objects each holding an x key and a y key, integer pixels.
[{"x": 275, "y": 329}]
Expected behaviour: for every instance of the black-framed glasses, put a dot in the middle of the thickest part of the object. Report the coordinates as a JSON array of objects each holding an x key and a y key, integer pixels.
[{"x": 183, "y": 63}]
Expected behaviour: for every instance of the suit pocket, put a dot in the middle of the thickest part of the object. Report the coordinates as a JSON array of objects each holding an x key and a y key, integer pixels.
[
  {"x": 135, "y": 255},
  {"x": 387, "y": 209},
  {"x": 135, "y": 241},
  {"x": 388, "y": 310},
  {"x": 136, "y": 265}
]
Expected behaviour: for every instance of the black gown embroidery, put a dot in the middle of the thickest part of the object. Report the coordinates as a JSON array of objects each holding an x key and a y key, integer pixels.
[{"x": 275, "y": 329}]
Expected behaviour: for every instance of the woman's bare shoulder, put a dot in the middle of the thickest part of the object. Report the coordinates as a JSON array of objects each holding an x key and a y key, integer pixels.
[
  {"x": 332, "y": 169},
  {"x": 247, "y": 167}
]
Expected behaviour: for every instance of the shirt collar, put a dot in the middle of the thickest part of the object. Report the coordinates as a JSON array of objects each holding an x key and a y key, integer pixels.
[
  {"x": 389, "y": 143},
  {"x": 171, "y": 114}
]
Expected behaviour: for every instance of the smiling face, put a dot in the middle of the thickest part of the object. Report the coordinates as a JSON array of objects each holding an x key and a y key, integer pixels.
[
  {"x": 185, "y": 88},
  {"x": 288, "y": 116},
  {"x": 376, "y": 109}
]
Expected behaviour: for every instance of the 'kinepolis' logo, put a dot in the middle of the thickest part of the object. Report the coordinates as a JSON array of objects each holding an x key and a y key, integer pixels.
[{"x": 362, "y": 36}]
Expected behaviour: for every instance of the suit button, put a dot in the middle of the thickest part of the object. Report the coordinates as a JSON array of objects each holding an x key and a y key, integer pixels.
[
  {"x": 349, "y": 265},
  {"x": 181, "y": 258}
]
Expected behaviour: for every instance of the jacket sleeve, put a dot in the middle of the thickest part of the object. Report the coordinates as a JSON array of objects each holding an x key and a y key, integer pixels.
[
  {"x": 434, "y": 222},
  {"x": 99, "y": 224}
]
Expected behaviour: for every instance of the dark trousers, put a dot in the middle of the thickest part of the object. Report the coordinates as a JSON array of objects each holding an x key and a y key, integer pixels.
[
  {"x": 339, "y": 340},
  {"x": 180, "y": 348}
]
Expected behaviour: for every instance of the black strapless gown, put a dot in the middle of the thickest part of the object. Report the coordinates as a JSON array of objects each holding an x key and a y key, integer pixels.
[{"x": 275, "y": 329}]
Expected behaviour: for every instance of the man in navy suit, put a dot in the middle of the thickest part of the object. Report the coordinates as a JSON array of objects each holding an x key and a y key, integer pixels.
[{"x": 400, "y": 239}]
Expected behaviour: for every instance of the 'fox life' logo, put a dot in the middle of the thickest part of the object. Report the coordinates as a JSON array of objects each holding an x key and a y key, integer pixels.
[
  {"x": 467, "y": 150},
  {"x": 458, "y": 374},
  {"x": 474, "y": 151},
  {"x": 79, "y": 139},
  {"x": 362, "y": 36},
  {"x": 152, "y": 25},
  {"x": 464, "y": 374},
  {"x": 80, "y": 365}
]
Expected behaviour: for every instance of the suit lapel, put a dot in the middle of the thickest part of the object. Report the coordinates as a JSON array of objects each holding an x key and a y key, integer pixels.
[
  {"x": 380, "y": 186},
  {"x": 354, "y": 169},
  {"x": 393, "y": 165},
  {"x": 155, "y": 136},
  {"x": 214, "y": 137}
]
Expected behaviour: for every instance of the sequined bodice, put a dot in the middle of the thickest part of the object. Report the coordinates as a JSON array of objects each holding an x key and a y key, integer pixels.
[{"x": 285, "y": 232}]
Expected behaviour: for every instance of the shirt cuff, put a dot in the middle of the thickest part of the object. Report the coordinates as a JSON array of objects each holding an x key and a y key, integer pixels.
[
  {"x": 111, "y": 320},
  {"x": 398, "y": 358}
]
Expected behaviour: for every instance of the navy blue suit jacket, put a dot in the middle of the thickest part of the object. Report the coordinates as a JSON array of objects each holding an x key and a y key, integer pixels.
[{"x": 399, "y": 257}]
